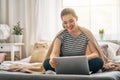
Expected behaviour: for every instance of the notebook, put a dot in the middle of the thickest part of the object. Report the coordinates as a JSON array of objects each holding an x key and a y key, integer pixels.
[{"x": 72, "y": 65}]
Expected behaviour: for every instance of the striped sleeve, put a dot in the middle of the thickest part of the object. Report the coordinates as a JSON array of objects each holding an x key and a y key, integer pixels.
[{"x": 60, "y": 37}]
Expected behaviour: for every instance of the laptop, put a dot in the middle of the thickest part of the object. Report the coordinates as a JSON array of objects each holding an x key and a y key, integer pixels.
[{"x": 72, "y": 65}]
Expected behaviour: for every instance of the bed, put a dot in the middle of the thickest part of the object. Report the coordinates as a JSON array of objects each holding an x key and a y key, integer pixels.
[
  {"x": 107, "y": 75},
  {"x": 114, "y": 75}
]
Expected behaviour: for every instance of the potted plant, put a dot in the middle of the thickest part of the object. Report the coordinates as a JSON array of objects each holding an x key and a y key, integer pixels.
[
  {"x": 101, "y": 33},
  {"x": 18, "y": 33}
]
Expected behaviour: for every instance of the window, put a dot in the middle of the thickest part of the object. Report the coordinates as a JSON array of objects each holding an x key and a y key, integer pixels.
[{"x": 97, "y": 14}]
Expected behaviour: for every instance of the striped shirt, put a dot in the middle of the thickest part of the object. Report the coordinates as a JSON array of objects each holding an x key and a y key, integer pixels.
[{"x": 72, "y": 46}]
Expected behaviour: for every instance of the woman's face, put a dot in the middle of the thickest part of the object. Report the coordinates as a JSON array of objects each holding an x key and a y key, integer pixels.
[{"x": 69, "y": 22}]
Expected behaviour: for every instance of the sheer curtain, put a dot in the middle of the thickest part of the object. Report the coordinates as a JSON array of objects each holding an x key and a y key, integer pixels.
[
  {"x": 49, "y": 22},
  {"x": 117, "y": 21},
  {"x": 40, "y": 19}
]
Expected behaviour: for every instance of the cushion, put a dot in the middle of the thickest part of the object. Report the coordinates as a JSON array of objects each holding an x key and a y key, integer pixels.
[
  {"x": 104, "y": 48},
  {"x": 2, "y": 57},
  {"x": 118, "y": 52},
  {"x": 111, "y": 50},
  {"x": 39, "y": 52}
]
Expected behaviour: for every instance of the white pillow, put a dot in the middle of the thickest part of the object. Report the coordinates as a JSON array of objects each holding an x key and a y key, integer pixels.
[{"x": 112, "y": 48}]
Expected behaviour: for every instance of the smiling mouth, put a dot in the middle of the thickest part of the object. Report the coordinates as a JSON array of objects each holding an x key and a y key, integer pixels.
[{"x": 71, "y": 27}]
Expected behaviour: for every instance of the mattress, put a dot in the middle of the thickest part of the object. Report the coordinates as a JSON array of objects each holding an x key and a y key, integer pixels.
[{"x": 113, "y": 75}]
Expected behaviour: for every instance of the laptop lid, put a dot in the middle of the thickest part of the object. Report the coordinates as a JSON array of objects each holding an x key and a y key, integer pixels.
[{"x": 72, "y": 65}]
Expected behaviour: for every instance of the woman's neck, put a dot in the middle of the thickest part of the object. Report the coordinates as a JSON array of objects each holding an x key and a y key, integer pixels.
[{"x": 76, "y": 32}]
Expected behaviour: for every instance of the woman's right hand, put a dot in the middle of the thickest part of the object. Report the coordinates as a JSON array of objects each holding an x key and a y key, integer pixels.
[{"x": 53, "y": 63}]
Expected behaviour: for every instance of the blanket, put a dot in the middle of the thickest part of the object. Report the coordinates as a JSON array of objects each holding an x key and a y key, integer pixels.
[
  {"x": 111, "y": 66},
  {"x": 34, "y": 68}
]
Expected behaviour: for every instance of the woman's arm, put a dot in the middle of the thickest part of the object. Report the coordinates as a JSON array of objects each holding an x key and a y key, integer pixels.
[
  {"x": 56, "y": 48},
  {"x": 55, "y": 52},
  {"x": 94, "y": 52}
]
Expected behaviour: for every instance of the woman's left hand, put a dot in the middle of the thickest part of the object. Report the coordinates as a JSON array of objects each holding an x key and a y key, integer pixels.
[{"x": 53, "y": 63}]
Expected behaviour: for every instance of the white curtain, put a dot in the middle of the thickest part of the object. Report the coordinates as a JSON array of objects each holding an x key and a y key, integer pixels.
[
  {"x": 40, "y": 19},
  {"x": 117, "y": 22},
  {"x": 49, "y": 22}
]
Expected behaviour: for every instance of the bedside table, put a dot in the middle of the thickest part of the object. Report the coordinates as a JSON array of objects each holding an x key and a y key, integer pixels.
[{"x": 12, "y": 48}]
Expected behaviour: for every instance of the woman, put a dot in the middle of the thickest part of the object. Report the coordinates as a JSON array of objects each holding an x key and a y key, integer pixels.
[{"x": 74, "y": 41}]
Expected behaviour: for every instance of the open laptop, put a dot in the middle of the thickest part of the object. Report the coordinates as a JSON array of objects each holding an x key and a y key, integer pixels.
[{"x": 72, "y": 65}]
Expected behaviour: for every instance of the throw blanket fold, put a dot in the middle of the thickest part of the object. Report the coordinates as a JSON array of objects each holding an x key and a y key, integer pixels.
[
  {"x": 36, "y": 68},
  {"x": 112, "y": 66},
  {"x": 88, "y": 51}
]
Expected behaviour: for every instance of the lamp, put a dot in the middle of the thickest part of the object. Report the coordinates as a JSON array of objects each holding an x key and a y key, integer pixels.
[{"x": 4, "y": 32}]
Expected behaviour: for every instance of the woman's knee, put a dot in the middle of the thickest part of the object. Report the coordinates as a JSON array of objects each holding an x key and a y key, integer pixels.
[
  {"x": 96, "y": 61},
  {"x": 46, "y": 61},
  {"x": 95, "y": 64},
  {"x": 100, "y": 61},
  {"x": 47, "y": 65}
]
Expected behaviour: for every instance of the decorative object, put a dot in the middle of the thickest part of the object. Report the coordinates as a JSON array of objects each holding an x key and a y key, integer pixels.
[
  {"x": 11, "y": 48},
  {"x": 18, "y": 33},
  {"x": 39, "y": 52},
  {"x": 101, "y": 33},
  {"x": 4, "y": 32}
]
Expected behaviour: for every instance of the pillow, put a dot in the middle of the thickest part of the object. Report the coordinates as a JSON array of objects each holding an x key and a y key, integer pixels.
[
  {"x": 39, "y": 52},
  {"x": 104, "y": 49},
  {"x": 118, "y": 52},
  {"x": 2, "y": 57},
  {"x": 112, "y": 48}
]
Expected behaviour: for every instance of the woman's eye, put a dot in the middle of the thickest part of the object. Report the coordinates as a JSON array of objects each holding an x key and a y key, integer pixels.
[{"x": 65, "y": 23}]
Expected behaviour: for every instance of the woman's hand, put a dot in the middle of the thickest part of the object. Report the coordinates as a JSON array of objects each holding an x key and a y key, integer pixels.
[
  {"x": 53, "y": 63},
  {"x": 55, "y": 52}
]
